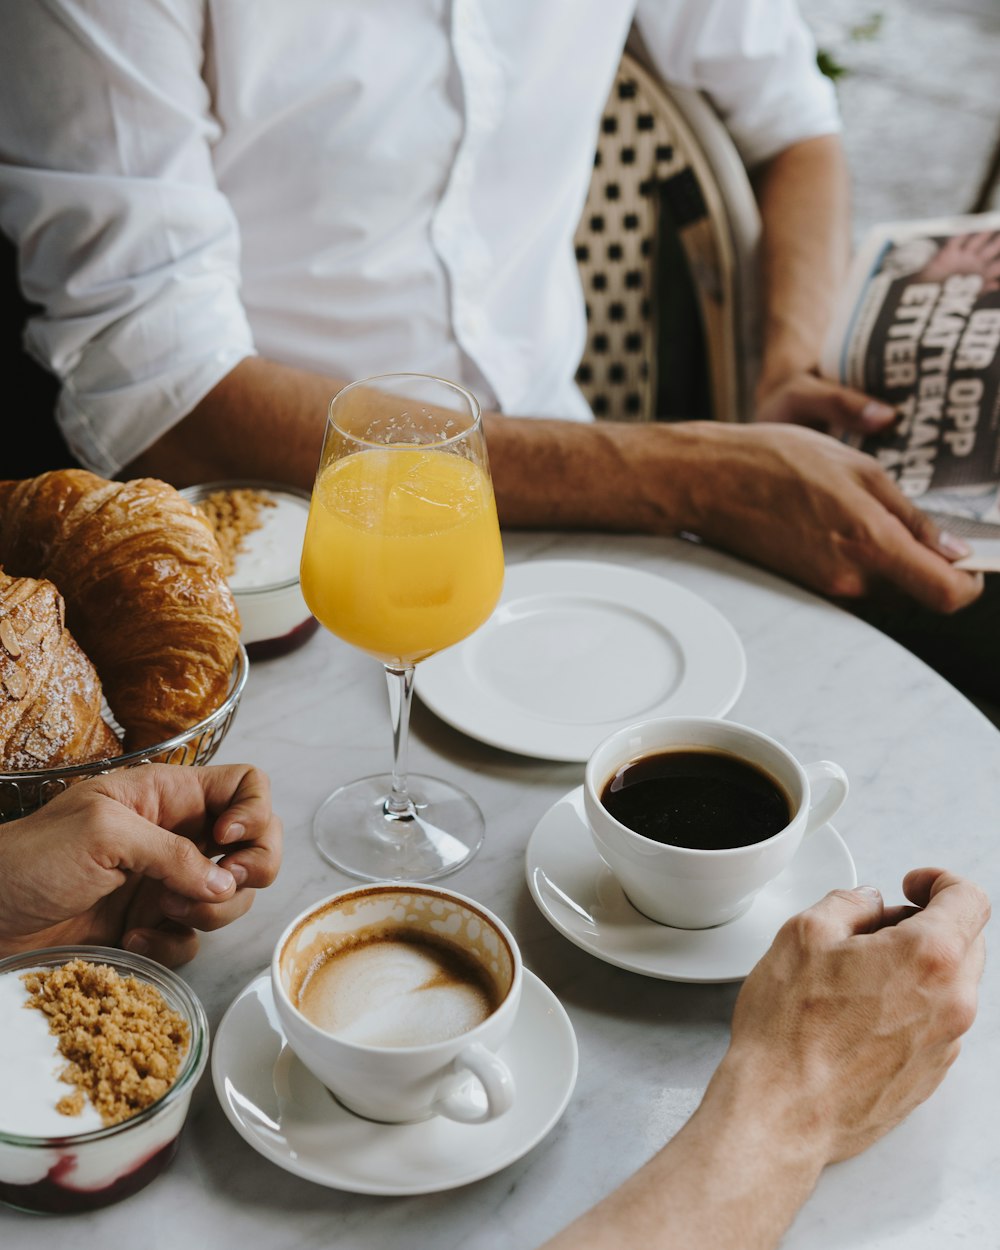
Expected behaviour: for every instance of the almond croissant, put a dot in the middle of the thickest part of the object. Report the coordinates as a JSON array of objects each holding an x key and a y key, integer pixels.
[
  {"x": 50, "y": 695},
  {"x": 146, "y": 597}
]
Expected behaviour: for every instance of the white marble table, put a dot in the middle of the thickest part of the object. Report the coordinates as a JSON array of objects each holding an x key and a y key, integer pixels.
[{"x": 925, "y": 772}]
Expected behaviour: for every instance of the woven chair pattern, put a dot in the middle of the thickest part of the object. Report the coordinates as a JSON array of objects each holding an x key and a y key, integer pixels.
[{"x": 651, "y": 172}]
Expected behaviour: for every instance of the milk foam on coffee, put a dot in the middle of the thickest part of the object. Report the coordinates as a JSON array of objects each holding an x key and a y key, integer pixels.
[{"x": 386, "y": 992}]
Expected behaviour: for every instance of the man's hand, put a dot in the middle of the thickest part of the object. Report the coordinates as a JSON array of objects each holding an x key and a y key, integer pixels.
[
  {"x": 848, "y": 1022},
  {"x": 807, "y": 399},
  {"x": 854, "y": 1015},
  {"x": 824, "y": 514},
  {"x": 126, "y": 859}
]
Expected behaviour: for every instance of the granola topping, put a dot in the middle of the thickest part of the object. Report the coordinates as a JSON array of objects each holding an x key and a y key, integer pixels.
[
  {"x": 233, "y": 514},
  {"x": 123, "y": 1044}
]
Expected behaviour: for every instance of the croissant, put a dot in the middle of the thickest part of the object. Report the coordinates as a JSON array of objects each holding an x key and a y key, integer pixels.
[
  {"x": 146, "y": 597},
  {"x": 50, "y": 695}
]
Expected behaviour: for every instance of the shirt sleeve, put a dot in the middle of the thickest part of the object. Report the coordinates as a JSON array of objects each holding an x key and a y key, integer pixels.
[
  {"x": 124, "y": 240},
  {"x": 754, "y": 59}
]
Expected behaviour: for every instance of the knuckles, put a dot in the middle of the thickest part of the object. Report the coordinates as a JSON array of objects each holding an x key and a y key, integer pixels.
[
  {"x": 936, "y": 958},
  {"x": 805, "y": 931},
  {"x": 951, "y": 596},
  {"x": 963, "y": 1012},
  {"x": 186, "y": 856},
  {"x": 845, "y": 583}
]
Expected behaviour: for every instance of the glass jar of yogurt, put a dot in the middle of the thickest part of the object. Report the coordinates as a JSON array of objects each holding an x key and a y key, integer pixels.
[
  {"x": 53, "y": 1163},
  {"x": 265, "y": 581}
]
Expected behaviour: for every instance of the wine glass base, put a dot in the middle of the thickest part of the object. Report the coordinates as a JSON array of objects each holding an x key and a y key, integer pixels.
[{"x": 354, "y": 833}]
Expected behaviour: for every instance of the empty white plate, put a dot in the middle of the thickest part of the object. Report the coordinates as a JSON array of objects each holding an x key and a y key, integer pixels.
[{"x": 576, "y": 649}]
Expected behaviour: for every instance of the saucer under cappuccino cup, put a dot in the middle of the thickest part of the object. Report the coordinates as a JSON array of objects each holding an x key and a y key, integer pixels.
[
  {"x": 397, "y": 999},
  {"x": 695, "y": 815}
]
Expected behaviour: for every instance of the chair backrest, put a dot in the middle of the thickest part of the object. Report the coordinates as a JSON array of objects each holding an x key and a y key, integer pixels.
[{"x": 667, "y": 250}]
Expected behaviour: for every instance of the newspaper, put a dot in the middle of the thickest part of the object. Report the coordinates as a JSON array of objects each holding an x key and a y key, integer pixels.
[{"x": 918, "y": 327}]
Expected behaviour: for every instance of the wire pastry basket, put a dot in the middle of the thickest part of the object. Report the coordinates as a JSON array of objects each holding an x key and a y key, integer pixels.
[{"x": 24, "y": 792}]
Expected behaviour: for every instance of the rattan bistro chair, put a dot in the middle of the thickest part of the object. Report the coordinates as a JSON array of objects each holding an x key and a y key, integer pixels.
[{"x": 667, "y": 253}]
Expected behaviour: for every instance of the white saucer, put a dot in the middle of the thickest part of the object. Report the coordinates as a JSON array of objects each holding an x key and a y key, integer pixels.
[
  {"x": 577, "y": 892},
  {"x": 284, "y": 1112},
  {"x": 576, "y": 649}
]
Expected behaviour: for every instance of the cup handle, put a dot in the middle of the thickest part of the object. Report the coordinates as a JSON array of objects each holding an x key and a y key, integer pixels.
[
  {"x": 455, "y": 1098},
  {"x": 831, "y": 800}
]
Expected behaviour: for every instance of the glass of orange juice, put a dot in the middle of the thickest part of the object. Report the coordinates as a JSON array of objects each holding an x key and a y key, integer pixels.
[{"x": 402, "y": 557}]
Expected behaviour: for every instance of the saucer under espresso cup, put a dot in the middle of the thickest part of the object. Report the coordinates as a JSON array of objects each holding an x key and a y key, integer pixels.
[
  {"x": 397, "y": 999},
  {"x": 578, "y": 895},
  {"x": 281, "y": 1110},
  {"x": 723, "y": 809}
]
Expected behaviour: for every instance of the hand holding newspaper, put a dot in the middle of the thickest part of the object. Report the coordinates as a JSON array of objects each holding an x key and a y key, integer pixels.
[{"x": 918, "y": 327}]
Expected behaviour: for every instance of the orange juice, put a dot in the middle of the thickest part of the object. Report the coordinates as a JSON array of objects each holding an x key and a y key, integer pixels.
[{"x": 402, "y": 553}]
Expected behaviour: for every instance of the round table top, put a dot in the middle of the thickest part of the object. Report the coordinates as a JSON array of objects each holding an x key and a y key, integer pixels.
[{"x": 924, "y": 766}]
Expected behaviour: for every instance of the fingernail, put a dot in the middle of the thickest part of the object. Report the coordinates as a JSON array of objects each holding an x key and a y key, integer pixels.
[
  {"x": 952, "y": 547},
  {"x": 175, "y": 905},
  {"x": 235, "y": 833},
  {"x": 870, "y": 891},
  {"x": 874, "y": 416},
  {"x": 239, "y": 873},
  {"x": 219, "y": 880},
  {"x": 137, "y": 944}
]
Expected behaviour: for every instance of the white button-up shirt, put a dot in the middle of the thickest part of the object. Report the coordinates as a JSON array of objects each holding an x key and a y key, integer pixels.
[{"x": 351, "y": 187}]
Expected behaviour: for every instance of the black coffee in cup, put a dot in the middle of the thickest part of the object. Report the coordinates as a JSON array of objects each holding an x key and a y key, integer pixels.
[{"x": 706, "y": 800}]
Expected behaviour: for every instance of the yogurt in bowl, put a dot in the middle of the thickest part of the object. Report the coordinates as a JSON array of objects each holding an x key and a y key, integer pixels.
[
  {"x": 62, "y": 1150},
  {"x": 262, "y": 525}
]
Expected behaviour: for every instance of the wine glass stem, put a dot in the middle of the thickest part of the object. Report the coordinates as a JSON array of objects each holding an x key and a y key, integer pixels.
[{"x": 398, "y": 804}]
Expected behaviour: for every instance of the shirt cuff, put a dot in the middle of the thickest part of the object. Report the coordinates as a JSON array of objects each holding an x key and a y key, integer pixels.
[{"x": 109, "y": 413}]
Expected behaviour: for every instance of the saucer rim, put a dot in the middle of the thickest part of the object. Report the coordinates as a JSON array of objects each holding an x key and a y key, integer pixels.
[
  {"x": 615, "y": 961},
  {"x": 552, "y": 1010}
]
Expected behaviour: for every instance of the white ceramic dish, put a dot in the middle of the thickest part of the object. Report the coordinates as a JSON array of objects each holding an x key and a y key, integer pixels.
[
  {"x": 85, "y": 1171},
  {"x": 291, "y": 1119},
  {"x": 274, "y": 618},
  {"x": 577, "y": 893},
  {"x": 576, "y": 649}
]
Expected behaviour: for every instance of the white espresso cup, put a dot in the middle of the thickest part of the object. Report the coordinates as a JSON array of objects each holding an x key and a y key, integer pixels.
[
  {"x": 398, "y": 997},
  {"x": 693, "y": 888}
]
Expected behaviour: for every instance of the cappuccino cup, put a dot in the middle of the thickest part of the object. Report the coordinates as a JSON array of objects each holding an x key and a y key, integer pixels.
[
  {"x": 695, "y": 815},
  {"x": 397, "y": 998}
]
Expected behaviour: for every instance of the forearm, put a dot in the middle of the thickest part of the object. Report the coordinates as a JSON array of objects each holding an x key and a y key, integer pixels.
[
  {"x": 265, "y": 420},
  {"x": 610, "y": 476},
  {"x": 733, "y": 1178},
  {"x": 804, "y": 197}
]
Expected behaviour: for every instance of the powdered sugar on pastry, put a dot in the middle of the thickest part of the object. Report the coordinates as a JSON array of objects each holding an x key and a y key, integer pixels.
[{"x": 50, "y": 694}]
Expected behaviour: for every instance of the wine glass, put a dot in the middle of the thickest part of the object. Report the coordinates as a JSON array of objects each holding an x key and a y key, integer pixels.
[{"x": 402, "y": 557}]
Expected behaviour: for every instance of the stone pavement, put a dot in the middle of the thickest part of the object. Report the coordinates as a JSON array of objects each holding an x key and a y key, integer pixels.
[{"x": 920, "y": 99}]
